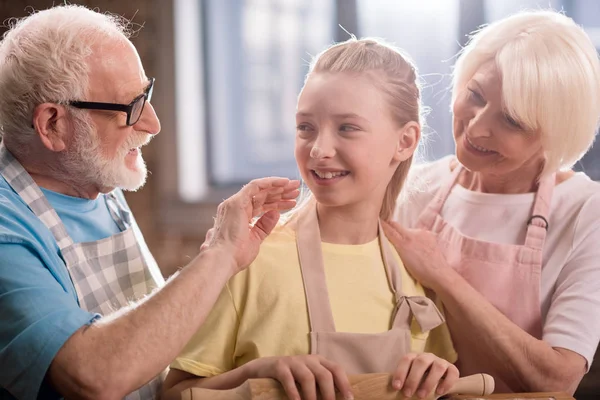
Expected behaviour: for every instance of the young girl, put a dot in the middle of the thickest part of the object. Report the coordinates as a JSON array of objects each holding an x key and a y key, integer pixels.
[{"x": 327, "y": 294}]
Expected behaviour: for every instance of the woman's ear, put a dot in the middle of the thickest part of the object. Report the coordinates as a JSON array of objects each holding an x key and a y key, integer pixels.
[
  {"x": 51, "y": 123},
  {"x": 408, "y": 140}
]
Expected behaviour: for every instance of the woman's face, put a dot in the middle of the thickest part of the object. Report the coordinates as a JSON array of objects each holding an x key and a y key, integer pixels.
[
  {"x": 487, "y": 139},
  {"x": 346, "y": 140}
]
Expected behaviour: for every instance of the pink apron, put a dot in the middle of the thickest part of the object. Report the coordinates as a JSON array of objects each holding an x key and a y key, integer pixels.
[{"x": 507, "y": 275}]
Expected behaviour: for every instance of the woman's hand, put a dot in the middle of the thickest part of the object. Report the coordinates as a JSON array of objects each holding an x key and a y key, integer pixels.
[
  {"x": 420, "y": 252},
  {"x": 309, "y": 371},
  {"x": 422, "y": 373},
  {"x": 233, "y": 230}
]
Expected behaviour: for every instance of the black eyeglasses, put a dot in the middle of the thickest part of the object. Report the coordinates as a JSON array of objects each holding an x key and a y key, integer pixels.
[{"x": 134, "y": 109}]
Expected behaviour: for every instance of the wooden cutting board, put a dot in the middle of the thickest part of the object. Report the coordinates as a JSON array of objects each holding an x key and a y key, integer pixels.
[{"x": 515, "y": 396}]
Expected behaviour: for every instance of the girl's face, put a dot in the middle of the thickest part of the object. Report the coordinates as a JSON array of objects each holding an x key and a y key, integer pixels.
[{"x": 347, "y": 143}]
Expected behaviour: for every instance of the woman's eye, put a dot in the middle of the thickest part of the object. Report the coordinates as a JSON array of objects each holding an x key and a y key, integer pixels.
[
  {"x": 512, "y": 122},
  {"x": 473, "y": 94}
]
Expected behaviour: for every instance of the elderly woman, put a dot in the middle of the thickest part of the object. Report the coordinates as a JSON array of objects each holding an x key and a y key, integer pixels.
[{"x": 504, "y": 232}]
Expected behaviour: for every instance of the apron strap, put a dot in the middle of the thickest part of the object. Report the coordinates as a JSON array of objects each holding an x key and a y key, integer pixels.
[
  {"x": 308, "y": 240},
  {"x": 119, "y": 213},
  {"x": 392, "y": 269},
  {"x": 537, "y": 225},
  {"x": 427, "y": 217},
  {"x": 23, "y": 184},
  {"x": 423, "y": 309}
]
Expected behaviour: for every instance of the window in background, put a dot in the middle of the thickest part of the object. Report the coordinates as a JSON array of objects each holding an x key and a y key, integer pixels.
[
  {"x": 428, "y": 31},
  {"x": 246, "y": 61},
  {"x": 256, "y": 54}
]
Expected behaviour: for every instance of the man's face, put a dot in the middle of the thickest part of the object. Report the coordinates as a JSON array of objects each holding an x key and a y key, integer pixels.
[{"x": 108, "y": 150}]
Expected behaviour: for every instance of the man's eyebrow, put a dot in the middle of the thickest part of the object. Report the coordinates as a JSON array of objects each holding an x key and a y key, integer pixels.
[{"x": 132, "y": 95}]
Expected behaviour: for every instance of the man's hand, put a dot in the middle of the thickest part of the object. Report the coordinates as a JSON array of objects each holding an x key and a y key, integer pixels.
[{"x": 233, "y": 229}]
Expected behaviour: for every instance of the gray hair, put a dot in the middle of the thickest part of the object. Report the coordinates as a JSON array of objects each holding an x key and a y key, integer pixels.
[{"x": 43, "y": 58}]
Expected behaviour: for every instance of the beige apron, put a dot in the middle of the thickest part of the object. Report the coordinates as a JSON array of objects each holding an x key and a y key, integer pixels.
[{"x": 358, "y": 353}]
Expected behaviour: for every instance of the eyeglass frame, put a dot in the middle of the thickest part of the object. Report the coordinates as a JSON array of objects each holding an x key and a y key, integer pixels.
[{"x": 126, "y": 108}]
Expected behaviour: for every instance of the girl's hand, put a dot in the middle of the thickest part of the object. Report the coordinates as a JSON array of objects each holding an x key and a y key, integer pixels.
[
  {"x": 309, "y": 371},
  {"x": 422, "y": 373}
]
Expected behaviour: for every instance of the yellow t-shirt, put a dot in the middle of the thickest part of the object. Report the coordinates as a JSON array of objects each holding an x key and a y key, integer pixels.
[{"x": 262, "y": 312}]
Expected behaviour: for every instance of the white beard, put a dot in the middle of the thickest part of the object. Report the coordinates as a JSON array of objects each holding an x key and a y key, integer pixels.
[{"x": 86, "y": 161}]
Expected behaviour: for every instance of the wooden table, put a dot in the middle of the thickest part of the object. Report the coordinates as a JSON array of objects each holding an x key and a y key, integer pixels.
[{"x": 516, "y": 396}]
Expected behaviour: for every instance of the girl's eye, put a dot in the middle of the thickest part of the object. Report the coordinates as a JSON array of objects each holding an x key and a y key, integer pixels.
[
  {"x": 348, "y": 128},
  {"x": 304, "y": 130}
]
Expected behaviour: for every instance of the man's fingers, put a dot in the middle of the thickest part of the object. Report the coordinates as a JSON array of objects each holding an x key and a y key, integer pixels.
[
  {"x": 264, "y": 197},
  {"x": 282, "y": 205},
  {"x": 265, "y": 224},
  {"x": 257, "y": 185}
]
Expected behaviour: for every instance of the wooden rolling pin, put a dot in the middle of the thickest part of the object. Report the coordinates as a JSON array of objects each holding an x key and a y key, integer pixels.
[{"x": 364, "y": 387}]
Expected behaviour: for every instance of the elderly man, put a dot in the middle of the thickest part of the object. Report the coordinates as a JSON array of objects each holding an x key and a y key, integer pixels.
[{"x": 75, "y": 110}]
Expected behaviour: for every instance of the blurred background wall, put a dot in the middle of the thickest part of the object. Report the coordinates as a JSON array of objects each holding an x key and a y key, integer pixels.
[{"x": 227, "y": 76}]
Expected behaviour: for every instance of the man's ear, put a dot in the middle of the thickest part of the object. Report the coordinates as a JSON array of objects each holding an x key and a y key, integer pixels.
[
  {"x": 408, "y": 140},
  {"x": 51, "y": 122}
]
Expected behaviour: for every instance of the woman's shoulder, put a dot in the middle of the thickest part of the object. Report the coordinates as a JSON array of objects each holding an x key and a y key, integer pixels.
[
  {"x": 433, "y": 169},
  {"x": 579, "y": 198}
]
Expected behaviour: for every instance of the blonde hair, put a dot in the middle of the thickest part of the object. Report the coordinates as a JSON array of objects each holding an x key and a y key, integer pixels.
[
  {"x": 43, "y": 58},
  {"x": 392, "y": 72},
  {"x": 550, "y": 79}
]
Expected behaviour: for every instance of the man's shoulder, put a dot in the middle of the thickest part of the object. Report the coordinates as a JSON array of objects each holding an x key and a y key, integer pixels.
[{"x": 18, "y": 224}]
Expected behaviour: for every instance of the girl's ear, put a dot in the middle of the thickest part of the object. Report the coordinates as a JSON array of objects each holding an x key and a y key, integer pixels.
[{"x": 408, "y": 140}]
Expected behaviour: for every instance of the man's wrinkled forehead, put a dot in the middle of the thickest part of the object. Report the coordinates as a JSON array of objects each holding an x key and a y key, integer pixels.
[{"x": 116, "y": 71}]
